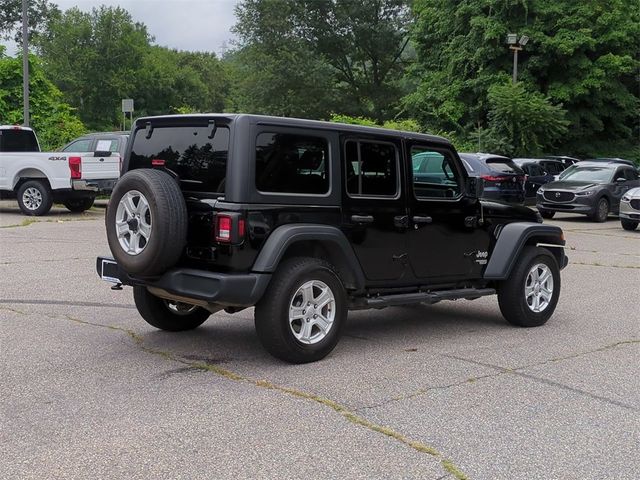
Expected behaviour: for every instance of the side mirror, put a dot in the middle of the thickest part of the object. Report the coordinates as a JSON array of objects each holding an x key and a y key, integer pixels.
[
  {"x": 474, "y": 187},
  {"x": 621, "y": 180}
]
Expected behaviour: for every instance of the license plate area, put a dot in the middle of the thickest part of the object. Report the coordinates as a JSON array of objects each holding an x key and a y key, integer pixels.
[{"x": 109, "y": 271}]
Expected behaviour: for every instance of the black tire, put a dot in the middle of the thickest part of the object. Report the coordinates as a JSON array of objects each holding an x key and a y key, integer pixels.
[
  {"x": 601, "y": 211},
  {"x": 166, "y": 315},
  {"x": 166, "y": 215},
  {"x": 546, "y": 213},
  {"x": 272, "y": 312},
  {"x": 628, "y": 224},
  {"x": 79, "y": 205},
  {"x": 35, "y": 197},
  {"x": 511, "y": 292}
]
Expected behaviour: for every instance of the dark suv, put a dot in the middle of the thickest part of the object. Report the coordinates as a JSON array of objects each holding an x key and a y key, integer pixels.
[{"x": 306, "y": 220}]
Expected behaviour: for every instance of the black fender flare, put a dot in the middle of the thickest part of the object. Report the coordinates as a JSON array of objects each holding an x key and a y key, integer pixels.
[
  {"x": 286, "y": 235},
  {"x": 512, "y": 239}
]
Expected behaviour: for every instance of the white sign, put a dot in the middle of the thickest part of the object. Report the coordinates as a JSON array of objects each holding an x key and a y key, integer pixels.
[
  {"x": 103, "y": 146},
  {"x": 127, "y": 105}
]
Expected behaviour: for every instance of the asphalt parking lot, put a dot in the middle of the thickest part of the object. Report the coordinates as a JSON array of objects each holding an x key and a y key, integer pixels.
[{"x": 428, "y": 392}]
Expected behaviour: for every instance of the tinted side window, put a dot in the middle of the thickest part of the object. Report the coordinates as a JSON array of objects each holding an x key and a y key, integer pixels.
[
  {"x": 291, "y": 163},
  {"x": 200, "y": 162},
  {"x": 630, "y": 174},
  {"x": 437, "y": 176},
  {"x": 372, "y": 168},
  {"x": 79, "y": 146},
  {"x": 16, "y": 140}
]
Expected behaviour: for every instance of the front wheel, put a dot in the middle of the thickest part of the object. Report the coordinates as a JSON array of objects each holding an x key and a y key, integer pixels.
[
  {"x": 303, "y": 311},
  {"x": 629, "y": 224},
  {"x": 601, "y": 211},
  {"x": 167, "y": 314},
  {"x": 528, "y": 297},
  {"x": 79, "y": 205},
  {"x": 35, "y": 197}
]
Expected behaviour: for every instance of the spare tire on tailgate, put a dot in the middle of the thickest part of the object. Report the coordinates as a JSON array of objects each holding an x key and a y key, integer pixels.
[{"x": 146, "y": 222}]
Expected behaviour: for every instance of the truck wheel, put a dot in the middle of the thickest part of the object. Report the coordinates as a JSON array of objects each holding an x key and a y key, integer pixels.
[
  {"x": 546, "y": 213},
  {"x": 166, "y": 314},
  {"x": 146, "y": 222},
  {"x": 35, "y": 197},
  {"x": 79, "y": 205},
  {"x": 530, "y": 295},
  {"x": 301, "y": 315},
  {"x": 628, "y": 224},
  {"x": 601, "y": 211}
]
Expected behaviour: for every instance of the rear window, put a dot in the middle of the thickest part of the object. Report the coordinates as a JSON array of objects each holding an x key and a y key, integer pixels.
[
  {"x": 199, "y": 162},
  {"x": 503, "y": 166},
  {"x": 18, "y": 141}
]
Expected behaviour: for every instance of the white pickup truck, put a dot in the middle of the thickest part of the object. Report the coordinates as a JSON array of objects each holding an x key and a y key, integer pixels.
[{"x": 37, "y": 179}]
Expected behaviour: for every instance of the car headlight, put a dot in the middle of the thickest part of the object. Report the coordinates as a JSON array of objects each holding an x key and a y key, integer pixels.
[
  {"x": 541, "y": 189},
  {"x": 586, "y": 193},
  {"x": 626, "y": 198}
]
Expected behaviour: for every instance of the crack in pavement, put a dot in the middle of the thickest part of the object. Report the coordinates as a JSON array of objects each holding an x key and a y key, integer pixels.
[
  {"x": 637, "y": 267},
  {"x": 62, "y": 302},
  {"x": 515, "y": 371},
  {"x": 347, "y": 414}
]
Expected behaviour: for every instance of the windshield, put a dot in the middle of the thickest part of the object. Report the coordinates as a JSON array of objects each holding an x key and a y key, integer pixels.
[{"x": 587, "y": 174}]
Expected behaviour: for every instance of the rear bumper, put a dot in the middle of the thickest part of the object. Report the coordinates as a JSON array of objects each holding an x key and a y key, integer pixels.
[
  {"x": 234, "y": 290},
  {"x": 94, "y": 185}
]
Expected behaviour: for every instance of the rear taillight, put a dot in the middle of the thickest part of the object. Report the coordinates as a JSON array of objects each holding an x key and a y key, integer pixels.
[
  {"x": 75, "y": 167},
  {"x": 223, "y": 228},
  {"x": 229, "y": 227},
  {"x": 492, "y": 178},
  {"x": 157, "y": 162}
]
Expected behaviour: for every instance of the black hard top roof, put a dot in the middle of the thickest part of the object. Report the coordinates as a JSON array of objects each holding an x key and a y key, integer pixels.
[{"x": 302, "y": 123}]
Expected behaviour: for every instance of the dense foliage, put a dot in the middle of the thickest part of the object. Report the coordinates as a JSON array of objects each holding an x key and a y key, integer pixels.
[
  {"x": 54, "y": 120},
  {"x": 441, "y": 66}
]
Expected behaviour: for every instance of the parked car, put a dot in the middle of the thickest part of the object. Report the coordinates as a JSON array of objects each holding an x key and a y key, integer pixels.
[
  {"x": 503, "y": 179},
  {"x": 630, "y": 209},
  {"x": 566, "y": 161},
  {"x": 115, "y": 142},
  {"x": 539, "y": 172},
  {"x": 614, "y": 160},
  {"x": 589, "y": 188},
  {"x": 37, "y": 179},
  {"x": 343, "y": 222}
]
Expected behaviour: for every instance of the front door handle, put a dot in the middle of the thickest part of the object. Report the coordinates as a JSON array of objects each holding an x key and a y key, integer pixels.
[
  {"x": 420, "y": 219},
  {"x": 362, "y": 218},
  {"x": 401, "y": 221}
]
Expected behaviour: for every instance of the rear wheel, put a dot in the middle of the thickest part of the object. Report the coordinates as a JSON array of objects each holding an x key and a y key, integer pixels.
[
  {"x": 35, "y": 197},
  {"x": 546, "y": 213},
  {"x": 301, "y": 315},
  {"x": 529, "y": 296},
  {"x": 601, "y": 211},
  {"x": 167, "y": 314},
  {"x": 79, "y": 205},
  {"x": 628, "y": 224}
]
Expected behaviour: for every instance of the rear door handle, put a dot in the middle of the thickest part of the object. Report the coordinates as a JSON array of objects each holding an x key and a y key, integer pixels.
[
  {"x": 362, "y": 218},
  {"x": 420, "y": 219}
]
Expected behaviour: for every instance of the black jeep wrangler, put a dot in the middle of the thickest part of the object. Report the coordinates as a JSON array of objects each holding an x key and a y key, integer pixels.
[{"x": 306, "y": 220}]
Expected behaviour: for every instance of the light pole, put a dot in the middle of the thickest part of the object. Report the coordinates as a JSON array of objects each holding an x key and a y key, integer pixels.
[
  {"x": 516, "y": 45},
  {"x": 25, "y": 63}
]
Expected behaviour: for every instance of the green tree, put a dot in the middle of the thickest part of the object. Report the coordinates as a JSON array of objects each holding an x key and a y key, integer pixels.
[
  {"x": 55, "y": 122},
  {"x": 521, "y": 123},
  {"x": 358, "y": 47},
  {"x": 38, "y": 12},
  {"x": 581, "y": 54},
  {"x": 94, "y": 57}
]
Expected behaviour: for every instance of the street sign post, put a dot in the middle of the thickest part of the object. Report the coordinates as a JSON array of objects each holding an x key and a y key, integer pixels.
[{"x": 127, "y": 107}]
